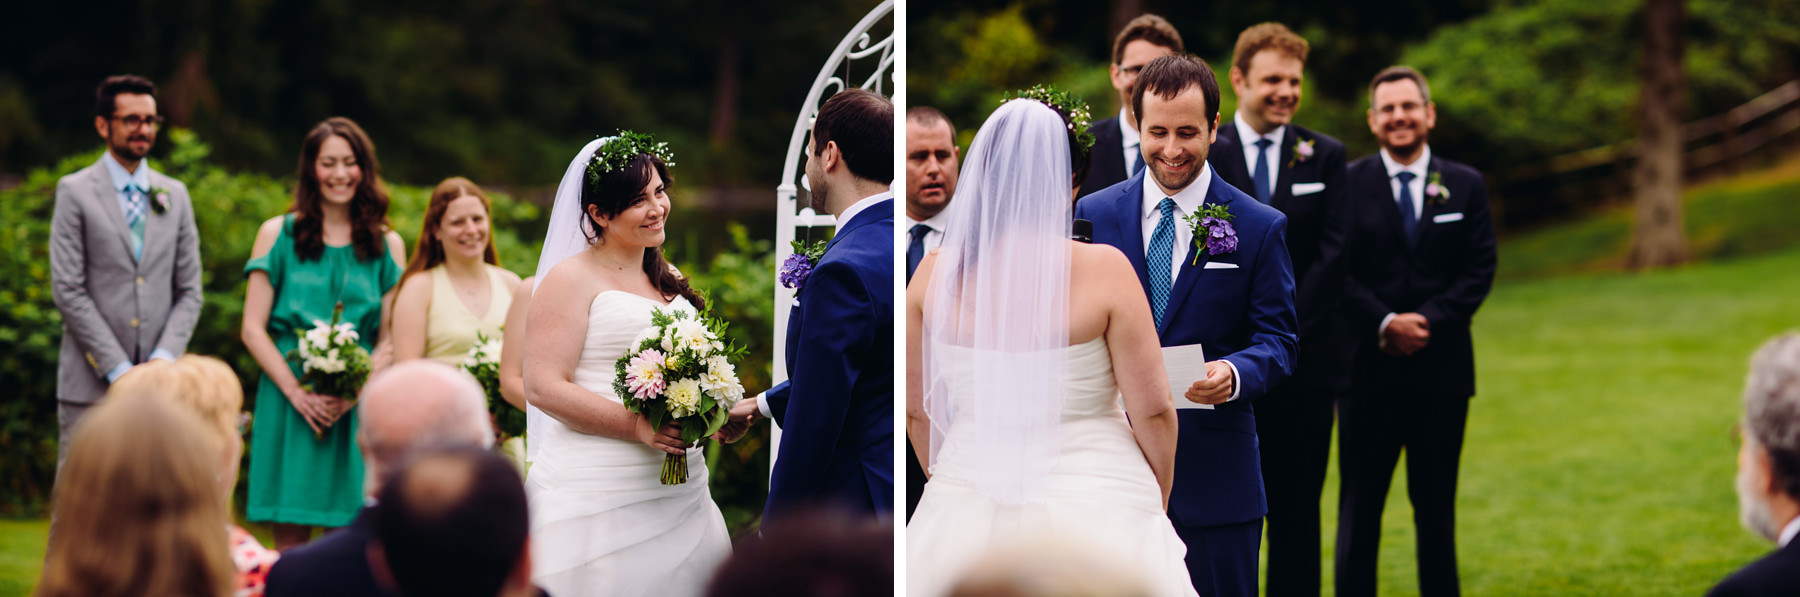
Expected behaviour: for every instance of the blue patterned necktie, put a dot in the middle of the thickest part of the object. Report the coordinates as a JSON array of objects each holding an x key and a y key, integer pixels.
[
  {"x": 1161, "y": 254},
  {"x": 134, "y": 216},
  {"x": 915, "y": 250},
  {"x": 1260, "y": 179},
  {"x": 1408, "y": 220}
]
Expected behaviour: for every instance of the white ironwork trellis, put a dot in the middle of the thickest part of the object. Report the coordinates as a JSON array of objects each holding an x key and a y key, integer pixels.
[{"x": 859, "y": 47}]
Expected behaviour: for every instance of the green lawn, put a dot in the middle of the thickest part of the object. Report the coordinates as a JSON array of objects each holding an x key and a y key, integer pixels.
[{"x": 1598, "y": 460}]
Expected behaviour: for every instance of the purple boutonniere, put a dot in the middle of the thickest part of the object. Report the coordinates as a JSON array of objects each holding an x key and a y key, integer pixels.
[
  {"x": 1302, "y": 151},
  {"x": 1435, "y": 191},
  {"x": 159, "y": 200},
  {"x": 799, "y": 265},
  {"x": 1212, "y": 231}
]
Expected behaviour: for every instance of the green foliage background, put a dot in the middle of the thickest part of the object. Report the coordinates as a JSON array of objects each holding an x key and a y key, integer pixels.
[{"x": 229, "y": 208}]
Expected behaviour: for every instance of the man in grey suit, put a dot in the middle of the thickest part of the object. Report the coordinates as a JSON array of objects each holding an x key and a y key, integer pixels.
[{"x": 124, "y": 256}]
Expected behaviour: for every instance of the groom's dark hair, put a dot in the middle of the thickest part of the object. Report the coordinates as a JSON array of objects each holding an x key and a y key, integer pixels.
[
  {"x": 1170, "y": 75},
  {"x": 452, "y": 521},
  {"x": 862, "y": 124},
  {"x": 107, "y": 94}
]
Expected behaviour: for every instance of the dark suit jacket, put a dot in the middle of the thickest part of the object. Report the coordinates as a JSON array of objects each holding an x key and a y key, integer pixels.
[
  {"x": 336, "y": 564},
  {"x": 1444, "y": 273},
  {"x": 1317, "y": 237},
  {"x": 1775, "y": 574},
  {"x": 836, "y": 410},
  {"x": 1106, "y": 160},
  {"x": 1244, "y": 315}
]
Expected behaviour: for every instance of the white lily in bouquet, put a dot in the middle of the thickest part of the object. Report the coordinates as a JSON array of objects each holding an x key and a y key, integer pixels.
[
  {"x": 332, "y": 363},
  {"x": 678, "y": 371}
]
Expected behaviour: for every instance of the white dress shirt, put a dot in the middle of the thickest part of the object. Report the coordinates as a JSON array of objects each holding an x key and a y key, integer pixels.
[
  {"x": 1788, "y": 532},
  {"x": 934, "y": 233},
  {"x": 1128, "y": 141},
  {"x": 1420, "y": 167},
  {"x": 1187, "y": 201},
  {"x": 1248, "y": 136}
]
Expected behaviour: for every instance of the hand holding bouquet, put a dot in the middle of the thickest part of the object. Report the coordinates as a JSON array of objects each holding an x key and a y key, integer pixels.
[
  {"x": 331, "y": 361},
  {"x": 483, "y": 362},
  {"x": 678, "y": 371}
]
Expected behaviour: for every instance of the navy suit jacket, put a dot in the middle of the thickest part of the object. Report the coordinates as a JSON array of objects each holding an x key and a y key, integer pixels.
[
  {"x": 335, "y": 564},
  {"x": 1106, "y": 161},
  {"x": 1318, "y": 235},
  {"x": 1775, "y": 574},
  {"x": 1243, "y": 315},
  {"x": 836, "y": 410},
  {"x": 1443, "y": 272}
]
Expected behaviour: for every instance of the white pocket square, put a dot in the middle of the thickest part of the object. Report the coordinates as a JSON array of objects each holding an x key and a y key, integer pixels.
[
  {"x": 1218, "y": 265},
  {"x": 1443, "y": 218},
  {"x": 1307, "y": 188}
]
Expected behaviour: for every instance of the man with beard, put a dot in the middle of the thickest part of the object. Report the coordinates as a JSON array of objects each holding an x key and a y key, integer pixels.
[
  {"x": 1301, "y": 173},
  {"x": 1234, "y": 298},
  {"x": 1423, "y": 264},
  {"x": 124, "y": 257},
  {"x": 1115, "y": 156},
  {"x": 1768, "y": 479},
  {"x": 836, "y": 410},
  {"x": 930, "y": 183}
]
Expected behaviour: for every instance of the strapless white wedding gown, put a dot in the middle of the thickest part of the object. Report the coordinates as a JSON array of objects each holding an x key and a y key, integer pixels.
[
  {"x": 1100, "y": 494},
  {"x": 601, "y": 523}
]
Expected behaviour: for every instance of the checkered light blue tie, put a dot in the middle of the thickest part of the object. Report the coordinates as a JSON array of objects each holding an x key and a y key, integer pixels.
[
  {"x": 1159, "y": 258},
  {"x": 134, "y": 216}
]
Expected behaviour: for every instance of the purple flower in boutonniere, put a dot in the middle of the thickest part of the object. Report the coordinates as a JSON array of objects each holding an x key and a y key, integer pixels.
[
  {"x": 1212, "y": 231},
  {"x": 799, "y": 265},
  {"x": 1302, "y": 151},
  {"x": 159, "y": 200},
  {"x": 1435, "y": 191}
]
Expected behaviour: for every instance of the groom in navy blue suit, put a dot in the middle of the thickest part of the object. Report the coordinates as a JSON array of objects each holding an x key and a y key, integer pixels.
[
  {"x": 836, "y": 410},
  {"x": 1237, "y": 302}
]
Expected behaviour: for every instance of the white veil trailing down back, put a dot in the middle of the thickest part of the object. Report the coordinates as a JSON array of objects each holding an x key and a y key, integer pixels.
[
  {"x": 998, "y": 305},
  {"x": 567, "y": 235}
]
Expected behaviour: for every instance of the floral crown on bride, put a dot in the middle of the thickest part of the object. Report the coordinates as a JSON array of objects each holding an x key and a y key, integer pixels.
[
  {"x": 622, "y": 148},
  {"x": 1073, "y": 109}
]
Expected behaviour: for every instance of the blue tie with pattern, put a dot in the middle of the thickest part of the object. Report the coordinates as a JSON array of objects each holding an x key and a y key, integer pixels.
[
  {"x": 1161, "y": 254},
  {"x": 1408, "y": 220},
  {"x": 1260, "y": 179},
  {"x": 915, "y": 250},
  {"x": 134, "y": 217}
]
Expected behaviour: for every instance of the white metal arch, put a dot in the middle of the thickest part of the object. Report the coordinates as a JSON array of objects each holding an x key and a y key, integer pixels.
[{"x": 858, "y": 48}]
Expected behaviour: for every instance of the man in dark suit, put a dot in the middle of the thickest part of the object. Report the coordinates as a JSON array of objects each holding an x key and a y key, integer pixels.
[
  {"x": 1768, "y": 479},
  {"x": 836, "y": 410},
  {"x": 1301, "y": 173},
  {"x": 411, "y": 405},
  {"x": 931, "y": 157},
  {"x": 1423, "y": 264},
  {"x": 1114, "y": 156},
  {"x": 1235, "y": 299}
]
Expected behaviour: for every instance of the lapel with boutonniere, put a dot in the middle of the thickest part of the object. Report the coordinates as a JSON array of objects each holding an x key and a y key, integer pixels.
[
  {"x": 1437, "y": 195},
  {"x": 1215, "y": 246}
]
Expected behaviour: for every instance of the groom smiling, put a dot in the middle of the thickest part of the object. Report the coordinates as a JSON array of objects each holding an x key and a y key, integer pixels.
[
  {"x": 1236, "y": 300},
  {"x": 836, "y": 411}
]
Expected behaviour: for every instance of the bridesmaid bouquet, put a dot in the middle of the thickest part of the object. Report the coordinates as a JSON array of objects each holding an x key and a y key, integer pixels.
[
  {"x": 331, "y": 362},
  {"x": 678, "y": 371},
  {"x": 483, "y": 362}
]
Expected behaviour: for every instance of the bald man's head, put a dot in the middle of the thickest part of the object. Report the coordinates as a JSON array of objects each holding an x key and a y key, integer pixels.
[{"x": 418, "y": 404}]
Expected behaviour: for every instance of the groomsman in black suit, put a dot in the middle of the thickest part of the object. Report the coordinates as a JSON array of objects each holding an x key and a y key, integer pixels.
[
  {"x": 1423, "y": 264},
  {"x": 1301, "y": 173},
  {"x": 931, "y": 156},
  {"x": 1115, "y": 156}
]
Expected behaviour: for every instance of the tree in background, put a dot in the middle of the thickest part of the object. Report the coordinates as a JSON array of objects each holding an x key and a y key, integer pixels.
[{"x": 1657, "y": 239}]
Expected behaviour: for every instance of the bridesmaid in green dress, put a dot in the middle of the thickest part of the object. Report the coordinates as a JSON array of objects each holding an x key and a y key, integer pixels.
[{"x": 334, "y": 246}]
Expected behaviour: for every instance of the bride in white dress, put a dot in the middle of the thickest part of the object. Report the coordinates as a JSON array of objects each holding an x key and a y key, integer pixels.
[
  {"x": 1014, "y": 374},
  {"x": 601, "y": 522}
]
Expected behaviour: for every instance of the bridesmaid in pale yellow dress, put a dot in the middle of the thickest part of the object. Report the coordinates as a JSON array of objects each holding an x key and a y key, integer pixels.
[{"x": 454, "y": 287}]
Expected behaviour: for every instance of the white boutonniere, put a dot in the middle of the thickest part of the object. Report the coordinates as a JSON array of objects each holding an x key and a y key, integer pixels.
[
  {"x": 1435, "y": 191},
  {"x": 1302, "y": 151},
  {"x": 159, "y": 200}
]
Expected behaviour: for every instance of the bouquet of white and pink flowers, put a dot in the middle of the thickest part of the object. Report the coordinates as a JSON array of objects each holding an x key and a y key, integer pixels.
[
  {"x": 331, "y": 362},
  {"x": 483, "y": 362},
  {"x": 677, "y": 370}
]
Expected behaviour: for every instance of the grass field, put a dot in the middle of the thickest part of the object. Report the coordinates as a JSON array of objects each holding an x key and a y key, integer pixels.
[{"x": 1598, "y": 460}]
